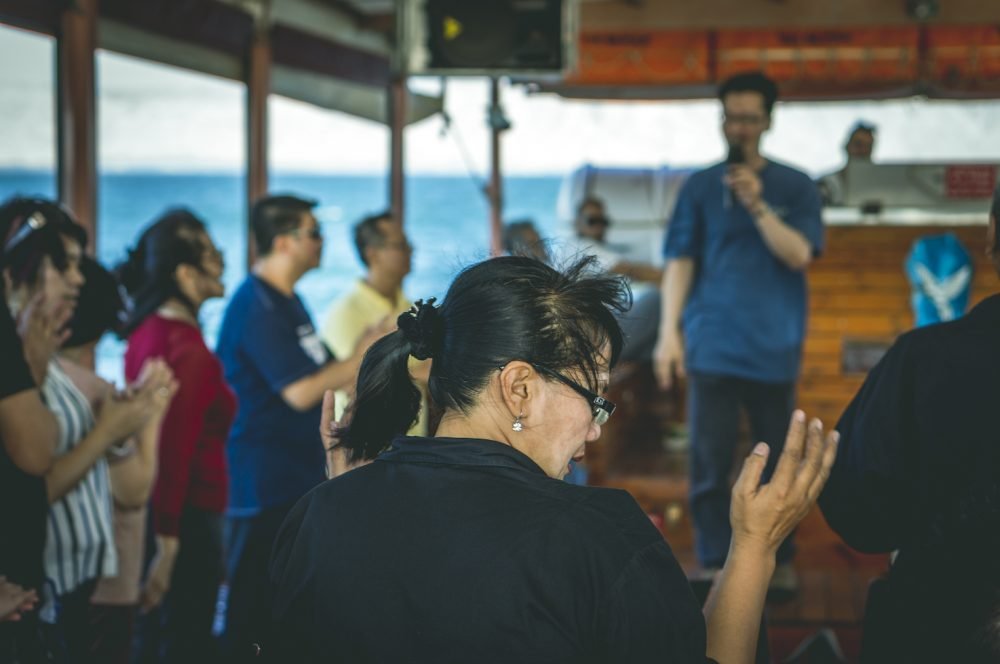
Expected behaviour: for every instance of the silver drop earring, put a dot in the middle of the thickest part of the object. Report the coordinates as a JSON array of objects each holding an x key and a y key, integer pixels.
[{"x": 517, "y": 425}]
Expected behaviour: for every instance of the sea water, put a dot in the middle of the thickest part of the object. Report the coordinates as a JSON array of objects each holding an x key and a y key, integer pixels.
[{"x": 446, "y": 221}]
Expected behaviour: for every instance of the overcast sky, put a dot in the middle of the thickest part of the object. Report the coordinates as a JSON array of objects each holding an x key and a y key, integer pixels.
[{"x": 154, "y": 117}]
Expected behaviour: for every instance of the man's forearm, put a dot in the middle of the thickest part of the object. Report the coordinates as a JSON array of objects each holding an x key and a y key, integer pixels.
[
  {"x": 786, "y": 243},
  {"x": 307, "y": 393},
  {"x": 675, "y": 286},
  {"x": 638, "y": 271}
]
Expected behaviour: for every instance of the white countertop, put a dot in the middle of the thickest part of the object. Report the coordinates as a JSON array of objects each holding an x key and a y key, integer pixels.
[{"x": 955, "y": 215}]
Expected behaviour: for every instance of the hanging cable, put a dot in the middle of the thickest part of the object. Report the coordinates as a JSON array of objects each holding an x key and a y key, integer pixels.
[{"x": 448, "y": 129}]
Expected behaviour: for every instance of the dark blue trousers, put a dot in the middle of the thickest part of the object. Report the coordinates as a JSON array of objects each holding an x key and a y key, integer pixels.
[{"x": 714, "y": 404}]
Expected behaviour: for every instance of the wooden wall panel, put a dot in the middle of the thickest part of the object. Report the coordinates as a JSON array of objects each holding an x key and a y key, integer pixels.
[{"x": 859, "y": 291}]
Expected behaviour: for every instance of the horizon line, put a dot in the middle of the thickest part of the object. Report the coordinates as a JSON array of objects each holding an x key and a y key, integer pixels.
[{"x": 6, "y": 170}]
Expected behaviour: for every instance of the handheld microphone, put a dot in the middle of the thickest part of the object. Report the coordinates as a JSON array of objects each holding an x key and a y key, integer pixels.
[{"x": 736, "y": 156}]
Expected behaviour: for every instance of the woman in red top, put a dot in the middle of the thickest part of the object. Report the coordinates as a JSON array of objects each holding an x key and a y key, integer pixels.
[{"x": 171, "y": 272}]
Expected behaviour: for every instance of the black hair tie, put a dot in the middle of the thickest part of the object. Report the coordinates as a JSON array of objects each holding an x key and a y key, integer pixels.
[{"x": 423, "y": 328}]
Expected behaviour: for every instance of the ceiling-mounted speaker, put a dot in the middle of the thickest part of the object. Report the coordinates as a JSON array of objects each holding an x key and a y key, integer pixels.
[{"x": 490, "y": 37}]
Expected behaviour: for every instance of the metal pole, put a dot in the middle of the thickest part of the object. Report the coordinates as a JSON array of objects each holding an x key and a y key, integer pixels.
[
  {"x": 496, "y": 177},
  {"x": 396, "y": 97}
]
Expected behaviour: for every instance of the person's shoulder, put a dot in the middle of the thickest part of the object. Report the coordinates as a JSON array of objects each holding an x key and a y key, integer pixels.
[
  {"x": 702, "y": 176},
  {"x": 346, "y": 302},
  {"x": 242, "y": 298},
  {"x": 961, "y": 347},
  {"x": 789, "y": 174},
  {"x": 610, "y": 515},
  {"x": 932, "y": 336}
]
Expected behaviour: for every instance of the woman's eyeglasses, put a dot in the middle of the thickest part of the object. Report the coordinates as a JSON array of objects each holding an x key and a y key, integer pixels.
[{"x": 600, "y": 408}]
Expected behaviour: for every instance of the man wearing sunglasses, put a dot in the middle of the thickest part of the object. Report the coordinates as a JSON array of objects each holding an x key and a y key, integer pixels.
[
  {"x": 640, "y": 323},
  {"x": 279, "y": 369},
  {"x": 592, "y": 223},
  {"x": 734, "y": 309}
]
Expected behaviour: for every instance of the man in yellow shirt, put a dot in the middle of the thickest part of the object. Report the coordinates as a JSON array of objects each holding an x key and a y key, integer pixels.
[{"x": 385, "y": 251}]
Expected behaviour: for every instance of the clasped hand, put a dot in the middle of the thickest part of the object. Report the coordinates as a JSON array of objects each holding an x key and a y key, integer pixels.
[{"x": 745, "y": 184}]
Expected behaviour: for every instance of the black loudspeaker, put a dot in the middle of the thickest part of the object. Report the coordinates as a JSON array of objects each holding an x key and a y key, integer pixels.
[{"x": 494, "y": 35}]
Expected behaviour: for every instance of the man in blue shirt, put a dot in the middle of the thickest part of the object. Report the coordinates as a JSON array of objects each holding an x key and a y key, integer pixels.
[
  {"x": 734, "y": 306},
  {"x": 279, "y": 369}
]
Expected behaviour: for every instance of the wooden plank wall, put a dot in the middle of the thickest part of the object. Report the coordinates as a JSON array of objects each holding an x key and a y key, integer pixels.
[{"x": 858, "y": 290}]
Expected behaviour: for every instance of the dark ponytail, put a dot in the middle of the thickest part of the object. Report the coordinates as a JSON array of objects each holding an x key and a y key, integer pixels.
[
  {"x": 496, "y": 311},
  {"x": 147, "y": 275},
  {"x": 388, "y": 383}
]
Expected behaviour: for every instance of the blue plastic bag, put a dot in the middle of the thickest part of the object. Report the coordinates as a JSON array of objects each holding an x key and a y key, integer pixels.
[{"x": 940, "y": 272}]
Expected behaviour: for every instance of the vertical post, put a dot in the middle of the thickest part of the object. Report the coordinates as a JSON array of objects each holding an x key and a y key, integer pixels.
[
  {"x": 76, "y": 114},
  {"x": 496, "y": 176},
  {"x": 258, "y": 88},
  {"x": 396, "y": 98}
]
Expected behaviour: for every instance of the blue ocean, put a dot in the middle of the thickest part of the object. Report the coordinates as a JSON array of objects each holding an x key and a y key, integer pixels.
[{"x": 446, "y": 220}]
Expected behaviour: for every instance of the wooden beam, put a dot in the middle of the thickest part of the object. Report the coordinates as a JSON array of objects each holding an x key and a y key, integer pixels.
[
  {"x": 719, "y": 14},
  {"x": 76, "y": 114},
  {"x": 203, "y": 23},
  {"x": 301, "y": 50},
  {"x": 258, "y": 89},
  {"x": 396, "y": 98},
  {"x": 37, "y": 15},
  {"x": 496, "y": 176}
]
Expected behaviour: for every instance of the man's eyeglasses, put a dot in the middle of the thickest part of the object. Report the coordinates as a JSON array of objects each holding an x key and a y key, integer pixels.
[
  {"x": 740, "y": 119},
  {"x": 600, "y": 408},
  {"x": 314, "y": 233}
]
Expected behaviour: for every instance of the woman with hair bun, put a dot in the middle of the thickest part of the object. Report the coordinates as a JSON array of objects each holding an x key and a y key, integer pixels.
[
  {"x": 173, "y": 269},
  {"x": 467, "y": 547}
]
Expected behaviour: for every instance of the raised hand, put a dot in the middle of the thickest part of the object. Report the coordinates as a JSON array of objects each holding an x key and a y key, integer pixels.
[
  {"x": 43, "y": 331},
  {"x": 762, "y": 516},
  {"x": 336, "y": 457}
]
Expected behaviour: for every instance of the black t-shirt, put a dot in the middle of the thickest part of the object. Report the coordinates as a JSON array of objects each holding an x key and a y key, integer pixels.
[
  {"x": 917, "y": 471},
  {"x": 23, "y": 503},
  {"x": 461, "y": 550}
]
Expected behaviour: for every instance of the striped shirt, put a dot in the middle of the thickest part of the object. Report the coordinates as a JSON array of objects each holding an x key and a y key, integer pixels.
[{"x": 79, "y": 543}]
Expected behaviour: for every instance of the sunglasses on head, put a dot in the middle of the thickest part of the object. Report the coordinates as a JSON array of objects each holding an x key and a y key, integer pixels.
[{"x": 34, "y": 222}]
